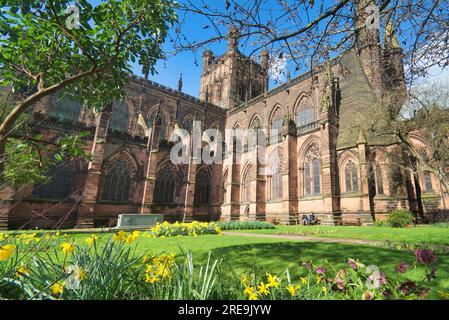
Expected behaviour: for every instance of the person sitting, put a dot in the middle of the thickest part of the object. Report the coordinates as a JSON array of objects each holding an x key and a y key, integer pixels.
[
  {"x": 312, "y": 218},
  {"x": 304, "y": 220}
]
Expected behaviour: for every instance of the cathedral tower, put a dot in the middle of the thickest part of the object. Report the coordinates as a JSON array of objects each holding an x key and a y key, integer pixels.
[{"x": 232, "y": 79}]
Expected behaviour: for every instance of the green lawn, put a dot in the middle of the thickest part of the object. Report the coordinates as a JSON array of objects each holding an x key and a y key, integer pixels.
[
  {"x": 424, "y": 234},
  {"x": 245, "y": 254}
]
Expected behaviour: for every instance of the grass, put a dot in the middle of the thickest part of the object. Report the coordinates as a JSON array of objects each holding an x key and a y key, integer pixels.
[
  {"x": 424, "y": 234},
  {"x": 246, "y": 254}
]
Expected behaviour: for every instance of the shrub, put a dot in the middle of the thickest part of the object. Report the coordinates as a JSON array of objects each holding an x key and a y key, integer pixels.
[
  {"x": 381, "y": 223},
  {"x": 245, "y": 225},
  {"x": 400, "y": 218}
]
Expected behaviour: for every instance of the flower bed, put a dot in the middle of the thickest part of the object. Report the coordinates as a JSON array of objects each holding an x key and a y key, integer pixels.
[
  {"x": 245, "y": 225},
  {"x": 194, "y": 228},
  {"x": 56, "y": 267}
]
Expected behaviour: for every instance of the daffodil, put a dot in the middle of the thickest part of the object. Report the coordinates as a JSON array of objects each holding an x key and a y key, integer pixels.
[
  {"x": 92, "y": 239},
  {"x": 22, "y": 271},
  {"x": 253, "y": 296},
  {"x": 324, "y": 290},
  {"x": 272, "y": 281},
  {"x": 67, "y": 248},
  {"x": 57, "y": 288},
  {"x": 150, "y": 279},
  {"x": 248, "y": 290},
  {"x": 303, "y": 280},
  {"x": 119, "y": 236},
  {"x": 263, "y": 289},
  {"x": 80, "y": 274},
  {"x": 292, "y": 289},
  {"x": 6, "y": 251}
]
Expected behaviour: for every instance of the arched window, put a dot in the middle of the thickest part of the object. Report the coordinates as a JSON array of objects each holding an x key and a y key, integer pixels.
[
  {"x": 255, "y": 132},
  {"x": 202, "y": 188},
  {"x": 119, "y": 117},
  {"x": 316, "y": 177},
  {"x": 65, "y": 109},
  {"x": 312, "y": 170},
  {"x": 277, "y": 122},
  {"x": 305, "y": 116},
  {"x": 379, "y": 180},
  {"x": 275, "y": 179},
  {"x": 117, "y": 183},
  {"x": 164, "y": 190},
  {"x": 351, "y": 178},
  {"x": 162, "y": 126},
  {"x": 428, "y": 182},
  {"x": 59, "y": 186},
  {"x": 246, "y": 190}
]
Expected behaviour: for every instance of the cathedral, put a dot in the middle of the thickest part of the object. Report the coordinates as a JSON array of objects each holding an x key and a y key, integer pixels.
[{"x": 319, "y": 160}]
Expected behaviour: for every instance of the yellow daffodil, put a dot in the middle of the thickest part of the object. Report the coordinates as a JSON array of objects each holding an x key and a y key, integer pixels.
[
  {"x": 324, "y": 289},
  {"x": 57, "y": 288},
  {"x": 6, "y": 251},
  {"x": 119, "y": 236},
  {"x": 248, "y": 290},
  {"x": 80, "y": 274},
  {"x": 292, "y": 289},
  {"x": 92, "y": 239},
  {"x": 67, "y": 247},
  {"x": 263, "y": 289},
  {"x": 150, "y": 279},
  {"x": 303, "y": 280},
  {"x": 253, "y": 296},
  {"x": 245, "y": 279},
  {"x": 22, "y": 271},
  {"x": 272, "y": 281},
  {"x": 318, "y": 279}
]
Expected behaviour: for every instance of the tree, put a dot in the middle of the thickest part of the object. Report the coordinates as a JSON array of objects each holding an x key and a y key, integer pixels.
[
  {"x": 424, "y": 115},
  {"x": 83, "y": 51},
  {"x": 307, "y": 32}
]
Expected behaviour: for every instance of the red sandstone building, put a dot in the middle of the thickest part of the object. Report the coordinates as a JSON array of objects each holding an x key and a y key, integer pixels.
[{"x": 320, "y": 161}]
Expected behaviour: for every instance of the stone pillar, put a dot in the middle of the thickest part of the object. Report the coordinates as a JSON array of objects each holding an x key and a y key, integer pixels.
[
  {"x": 85, "y": 217},
  {"x": 151, "y": 168},
  {"x": 329, "y": 169},
  {"x": 365, "y": 210},
  {"x": 190, "y": 191},
  {"x": 289, "y": 175}
]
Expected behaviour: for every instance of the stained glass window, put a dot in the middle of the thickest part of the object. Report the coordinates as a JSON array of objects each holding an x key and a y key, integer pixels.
[
  {"x": 428, "y": 182},
  {"x": 305, "y": 116},
  {"x": 65, "y": 109},
  {"x": 119, "y": 116},
  {"x": 165, "y": 186},
  {"x": 351, "y": 178},
  {"x": 246, "y": 192},
  {"x": 277, "y": 123},
  {"x": 275, "y": 179},
  {"x": 60, "y": 185},
  {"x": 117, "y": 183},
  {"x": 312, "y": 170},
  {"x": 202, "y": 188},
  {"x": 316, "y": 177},
  {"x": 308, "y": 179}
]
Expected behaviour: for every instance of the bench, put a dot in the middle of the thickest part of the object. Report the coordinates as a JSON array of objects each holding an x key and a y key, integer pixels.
[
  {"x": 138, "y": 221},
  {"x": 351, "y": 222}
]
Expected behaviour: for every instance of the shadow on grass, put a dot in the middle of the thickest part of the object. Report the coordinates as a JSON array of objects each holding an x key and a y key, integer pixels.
[{"x": 276, "y": 257}]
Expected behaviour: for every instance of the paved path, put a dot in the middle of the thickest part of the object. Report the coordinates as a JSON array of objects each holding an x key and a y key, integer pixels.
[{"x": 304, "y": 238}]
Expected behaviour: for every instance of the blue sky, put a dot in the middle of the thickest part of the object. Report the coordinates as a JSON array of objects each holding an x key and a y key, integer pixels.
[{"x": 170, "y": 69}]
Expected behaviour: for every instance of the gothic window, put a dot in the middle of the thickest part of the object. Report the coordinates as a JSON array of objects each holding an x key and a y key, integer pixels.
[
  {"x": 246, "y": 190},
  {"x": 162, "y": 126},
  {"x": 218, "y": 91},
  {"x": 351, "y": 178},
  {"x": 59, "y": 186},
  {"x": 65, "y": 109},
  {"x": 428, "y": 182},
  {"x": 275, "y": 180},
  {"x": 119, "y": 117},
  {"x": 117, "y": 183},
  {"x": 164, "y": 190},
  {"x": 379, "y": 180},
  {"x": 312, "y": 171},
  {"x": 202, "y": 188},
  {"x": 255, "y": 131},
  {"x": 277, "y": 122},
  {"x": 305, "y": 116}
]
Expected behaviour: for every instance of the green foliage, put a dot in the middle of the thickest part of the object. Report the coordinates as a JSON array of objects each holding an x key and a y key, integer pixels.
[
  {"x": 110, "y": 268},
  {"x": 29, "y": 160},
  {"x": 245, "y": 225},
  {"x": 400, "y": 218},
  {"x": 381, "y": 223},
  {"x": 38, "y": 48}
]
